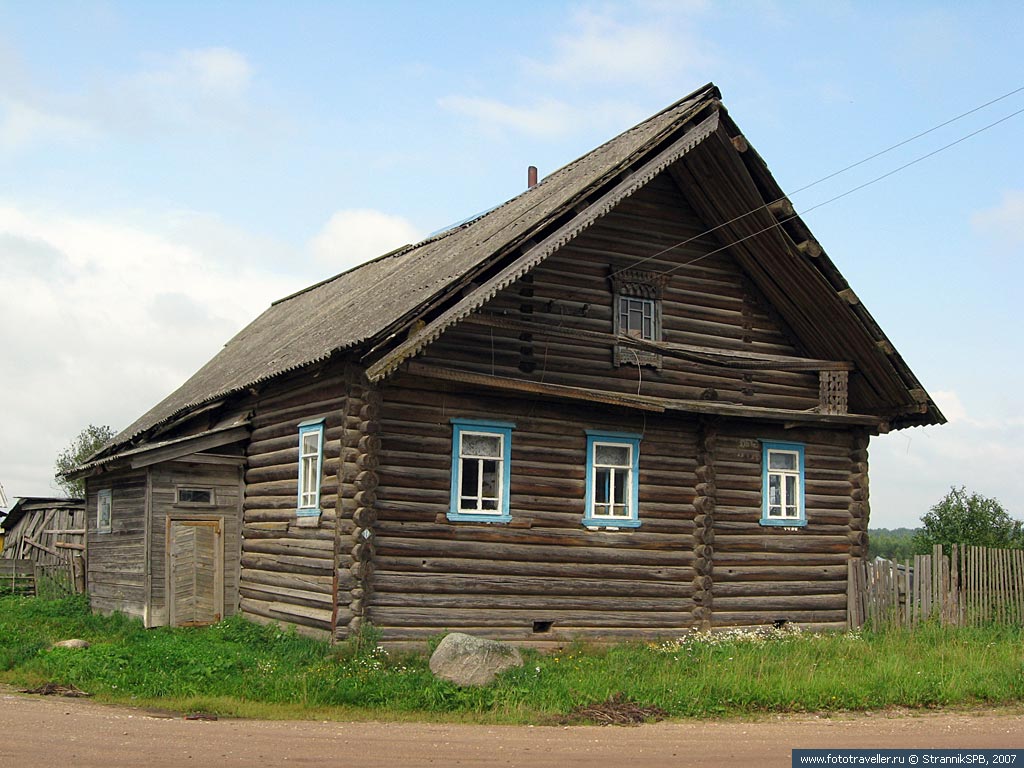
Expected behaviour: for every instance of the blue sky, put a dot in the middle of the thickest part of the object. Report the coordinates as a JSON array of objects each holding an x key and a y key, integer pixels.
[{"x": 169, "y": 169}]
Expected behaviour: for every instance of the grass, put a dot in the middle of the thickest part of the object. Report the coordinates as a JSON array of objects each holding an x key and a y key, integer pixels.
[{"x": 243, "y": 669}]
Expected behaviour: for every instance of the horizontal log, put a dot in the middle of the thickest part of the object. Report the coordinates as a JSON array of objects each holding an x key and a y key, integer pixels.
[
  {"x": 519, "y": 585},
  {"x": 397, "y": 565}
]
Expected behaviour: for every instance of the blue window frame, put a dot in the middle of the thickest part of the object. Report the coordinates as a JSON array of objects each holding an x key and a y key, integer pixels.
[
  {"x": 311, "y": 454},
  {"x": 782, "y": 490},
  {"x": 481, "y": 471},
  {"x": 613, "y": 480}
]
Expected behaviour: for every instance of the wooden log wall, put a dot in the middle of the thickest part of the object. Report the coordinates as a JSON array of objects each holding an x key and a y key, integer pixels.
[
  {"x": 704, "y": 525},
  {"x": 117, "y": 560},
  {"x": 288, "y": 563},
  {"x": 355, "y": 550},
  {"x": 225, "y": 481},
  {"x": 860, "y": 508},
  {"x": 763, "y": 574},
  {"x": 542, "y": 577},
  {"x": 709, "y": 302}
]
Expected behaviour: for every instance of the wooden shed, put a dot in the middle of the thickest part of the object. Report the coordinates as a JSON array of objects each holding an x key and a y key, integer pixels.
[
  {"x": 634, "y": 400},
  {"x": 50, "y": 532}
]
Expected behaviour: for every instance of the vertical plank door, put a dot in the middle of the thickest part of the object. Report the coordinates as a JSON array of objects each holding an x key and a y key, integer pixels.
[{"x": 196, "y": 572}]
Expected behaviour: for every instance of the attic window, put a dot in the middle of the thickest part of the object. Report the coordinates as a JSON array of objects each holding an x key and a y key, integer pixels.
[{"x": 637, "y": 296}]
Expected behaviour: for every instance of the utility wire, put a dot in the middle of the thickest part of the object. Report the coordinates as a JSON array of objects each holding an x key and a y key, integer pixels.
[
  {"x": 837, "y": 173},
  {"x": 837, "y": 197}
]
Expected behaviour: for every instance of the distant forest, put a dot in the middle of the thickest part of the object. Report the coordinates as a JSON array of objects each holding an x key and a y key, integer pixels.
[{"x": 891, "y": 543}]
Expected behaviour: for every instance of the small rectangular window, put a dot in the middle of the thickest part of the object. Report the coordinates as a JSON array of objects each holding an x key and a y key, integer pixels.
[
  {"x": 203, "y": 497},
  {"x": 612, "y": 495},
  {"x": 311, "y": 439},
  {"x": 481, "y": 470},
  {"x": 636, "y": 317},
  {"x": 104, "y": 510},
  {"x": 783, "y": 484}
]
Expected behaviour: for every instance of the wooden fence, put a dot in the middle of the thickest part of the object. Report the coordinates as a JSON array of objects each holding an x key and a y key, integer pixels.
[
  {"x": 973, "y": 585},
  {"x": 17, "y": 577}
]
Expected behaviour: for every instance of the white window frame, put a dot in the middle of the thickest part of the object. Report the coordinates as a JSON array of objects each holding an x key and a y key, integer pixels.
[
  {"x": 310, "y": 463},
  {"x": 104, "y": 501},
  {"x": 593, "y": 518},
  {"x": 788, "y": 519},
  {"x": 456, "y": 510}
]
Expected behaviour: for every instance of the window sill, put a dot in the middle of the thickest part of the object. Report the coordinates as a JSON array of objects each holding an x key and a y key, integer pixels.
[
  {"x": 778, "y": 522},
  {"x": 460, "y": 517},
  {"x": 307, "y": 512},
  {"x": 599, "y": 523}
]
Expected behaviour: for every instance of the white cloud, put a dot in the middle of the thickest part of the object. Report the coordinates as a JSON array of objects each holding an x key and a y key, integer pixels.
[
  {"x": 203, "y": 86},
  {"x": 22, "y": 124},
  {"x": 353, "y": 236},
  {"x": 983, "y": 453},
  {"x": 1004, "y": 222},
  {"x": 101, "y": 319},
  {"x": 546, "y": 118},
  {"x": 600, "y": 48}
]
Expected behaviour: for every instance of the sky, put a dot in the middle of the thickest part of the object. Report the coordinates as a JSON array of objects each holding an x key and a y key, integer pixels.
[{"x": 169, "y": 169}]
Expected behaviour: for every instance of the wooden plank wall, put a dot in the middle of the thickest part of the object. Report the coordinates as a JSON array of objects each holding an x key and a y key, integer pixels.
[
  {"x": 763, "y": 573},
  {"x": 225, "y": 482},
  {"x": 498, "y": 580},
  {"x": 288, "y": 570},
  {"x": 49, "y": 533},
  {"x": 117, "y": 560},
  {"x": 709, "y": 303}
]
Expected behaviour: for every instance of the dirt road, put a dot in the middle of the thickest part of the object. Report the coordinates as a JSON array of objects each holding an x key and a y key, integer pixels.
[{"x": 44, "y": 732}]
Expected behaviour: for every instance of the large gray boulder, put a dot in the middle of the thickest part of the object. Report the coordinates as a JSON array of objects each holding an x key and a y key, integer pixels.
[{"x": 467, "y": 660}]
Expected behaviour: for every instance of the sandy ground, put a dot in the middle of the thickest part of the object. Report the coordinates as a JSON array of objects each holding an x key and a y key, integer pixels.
[{"x": 52, "y": 731}]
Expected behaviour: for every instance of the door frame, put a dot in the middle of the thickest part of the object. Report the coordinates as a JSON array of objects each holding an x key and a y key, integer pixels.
[{"x": 217, "y": 522}]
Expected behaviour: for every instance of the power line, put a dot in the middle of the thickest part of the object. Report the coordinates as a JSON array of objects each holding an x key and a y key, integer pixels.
[
  {"x": 839, "y": 172},
  {"x": 833, "y": 199}
]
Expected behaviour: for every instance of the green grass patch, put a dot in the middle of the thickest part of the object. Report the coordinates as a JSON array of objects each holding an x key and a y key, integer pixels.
[{"x": 244, "y": 669}]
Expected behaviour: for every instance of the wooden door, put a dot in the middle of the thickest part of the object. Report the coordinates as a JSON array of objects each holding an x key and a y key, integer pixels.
[{"x": 195, "y": 572}]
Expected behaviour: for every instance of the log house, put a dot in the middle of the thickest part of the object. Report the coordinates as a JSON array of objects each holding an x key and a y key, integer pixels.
[{"x": 634, "y": 400}]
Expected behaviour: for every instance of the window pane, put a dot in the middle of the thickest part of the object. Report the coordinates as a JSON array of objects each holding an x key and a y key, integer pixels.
[
  {"x": 782, "y": 460},
  {"x": 619, "y": 487},
  {"x": 774, "y": 511},
  {"x": 485, "y": 446},
  {"x": 775, "y": 489},
  {"x": 470, "y": 477},
  {"x": 791, "y": 490},
  {"x": 310, "y": 443},
  {"x": 490, "y": 477},
  {"x": 602, "y": 485},
  {"x": 195, "y": 496},
  {"x": 616, "y": 455}
]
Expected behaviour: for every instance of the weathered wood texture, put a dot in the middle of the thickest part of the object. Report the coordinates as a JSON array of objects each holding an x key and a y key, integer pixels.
[
  {"x": 355, "y": 549},
  {"x": 287, "y": 562},
  {"x": 544, "y": 575},
  {"x": 49, "y": 533},
  {"x": 117, "y": 560},
  {"x": 764, "y": 574},
  {"x": 709, "y": 303},
  {"x": 224, "y": 481}
]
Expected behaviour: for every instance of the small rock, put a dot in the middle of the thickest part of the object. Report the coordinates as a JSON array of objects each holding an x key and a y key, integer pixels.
[
  {"x": 74, "y": 643},
  {"x": 467, "y": 660}
]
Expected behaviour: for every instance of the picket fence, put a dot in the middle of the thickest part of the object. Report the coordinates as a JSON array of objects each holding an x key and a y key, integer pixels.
[{"x": 973, "y": 585}]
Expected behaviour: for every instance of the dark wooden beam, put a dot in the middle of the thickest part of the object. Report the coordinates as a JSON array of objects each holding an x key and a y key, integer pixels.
[
  {"x": 640, "y": 402},
  {"x": 710, "y": 356}
]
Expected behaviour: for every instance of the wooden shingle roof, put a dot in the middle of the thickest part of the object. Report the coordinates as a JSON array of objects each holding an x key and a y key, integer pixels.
[{"x": 446, "y": 276}]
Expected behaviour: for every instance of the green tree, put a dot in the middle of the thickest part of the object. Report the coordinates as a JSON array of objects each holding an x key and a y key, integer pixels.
[
  {"x": 89, "y": 440},
  {"x": 892, "y": 544},
  {"x": 973, "y": 519}
]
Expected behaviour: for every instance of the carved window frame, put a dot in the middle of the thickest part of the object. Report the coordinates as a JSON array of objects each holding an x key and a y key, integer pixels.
[{"x": 636, "y": 284}]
